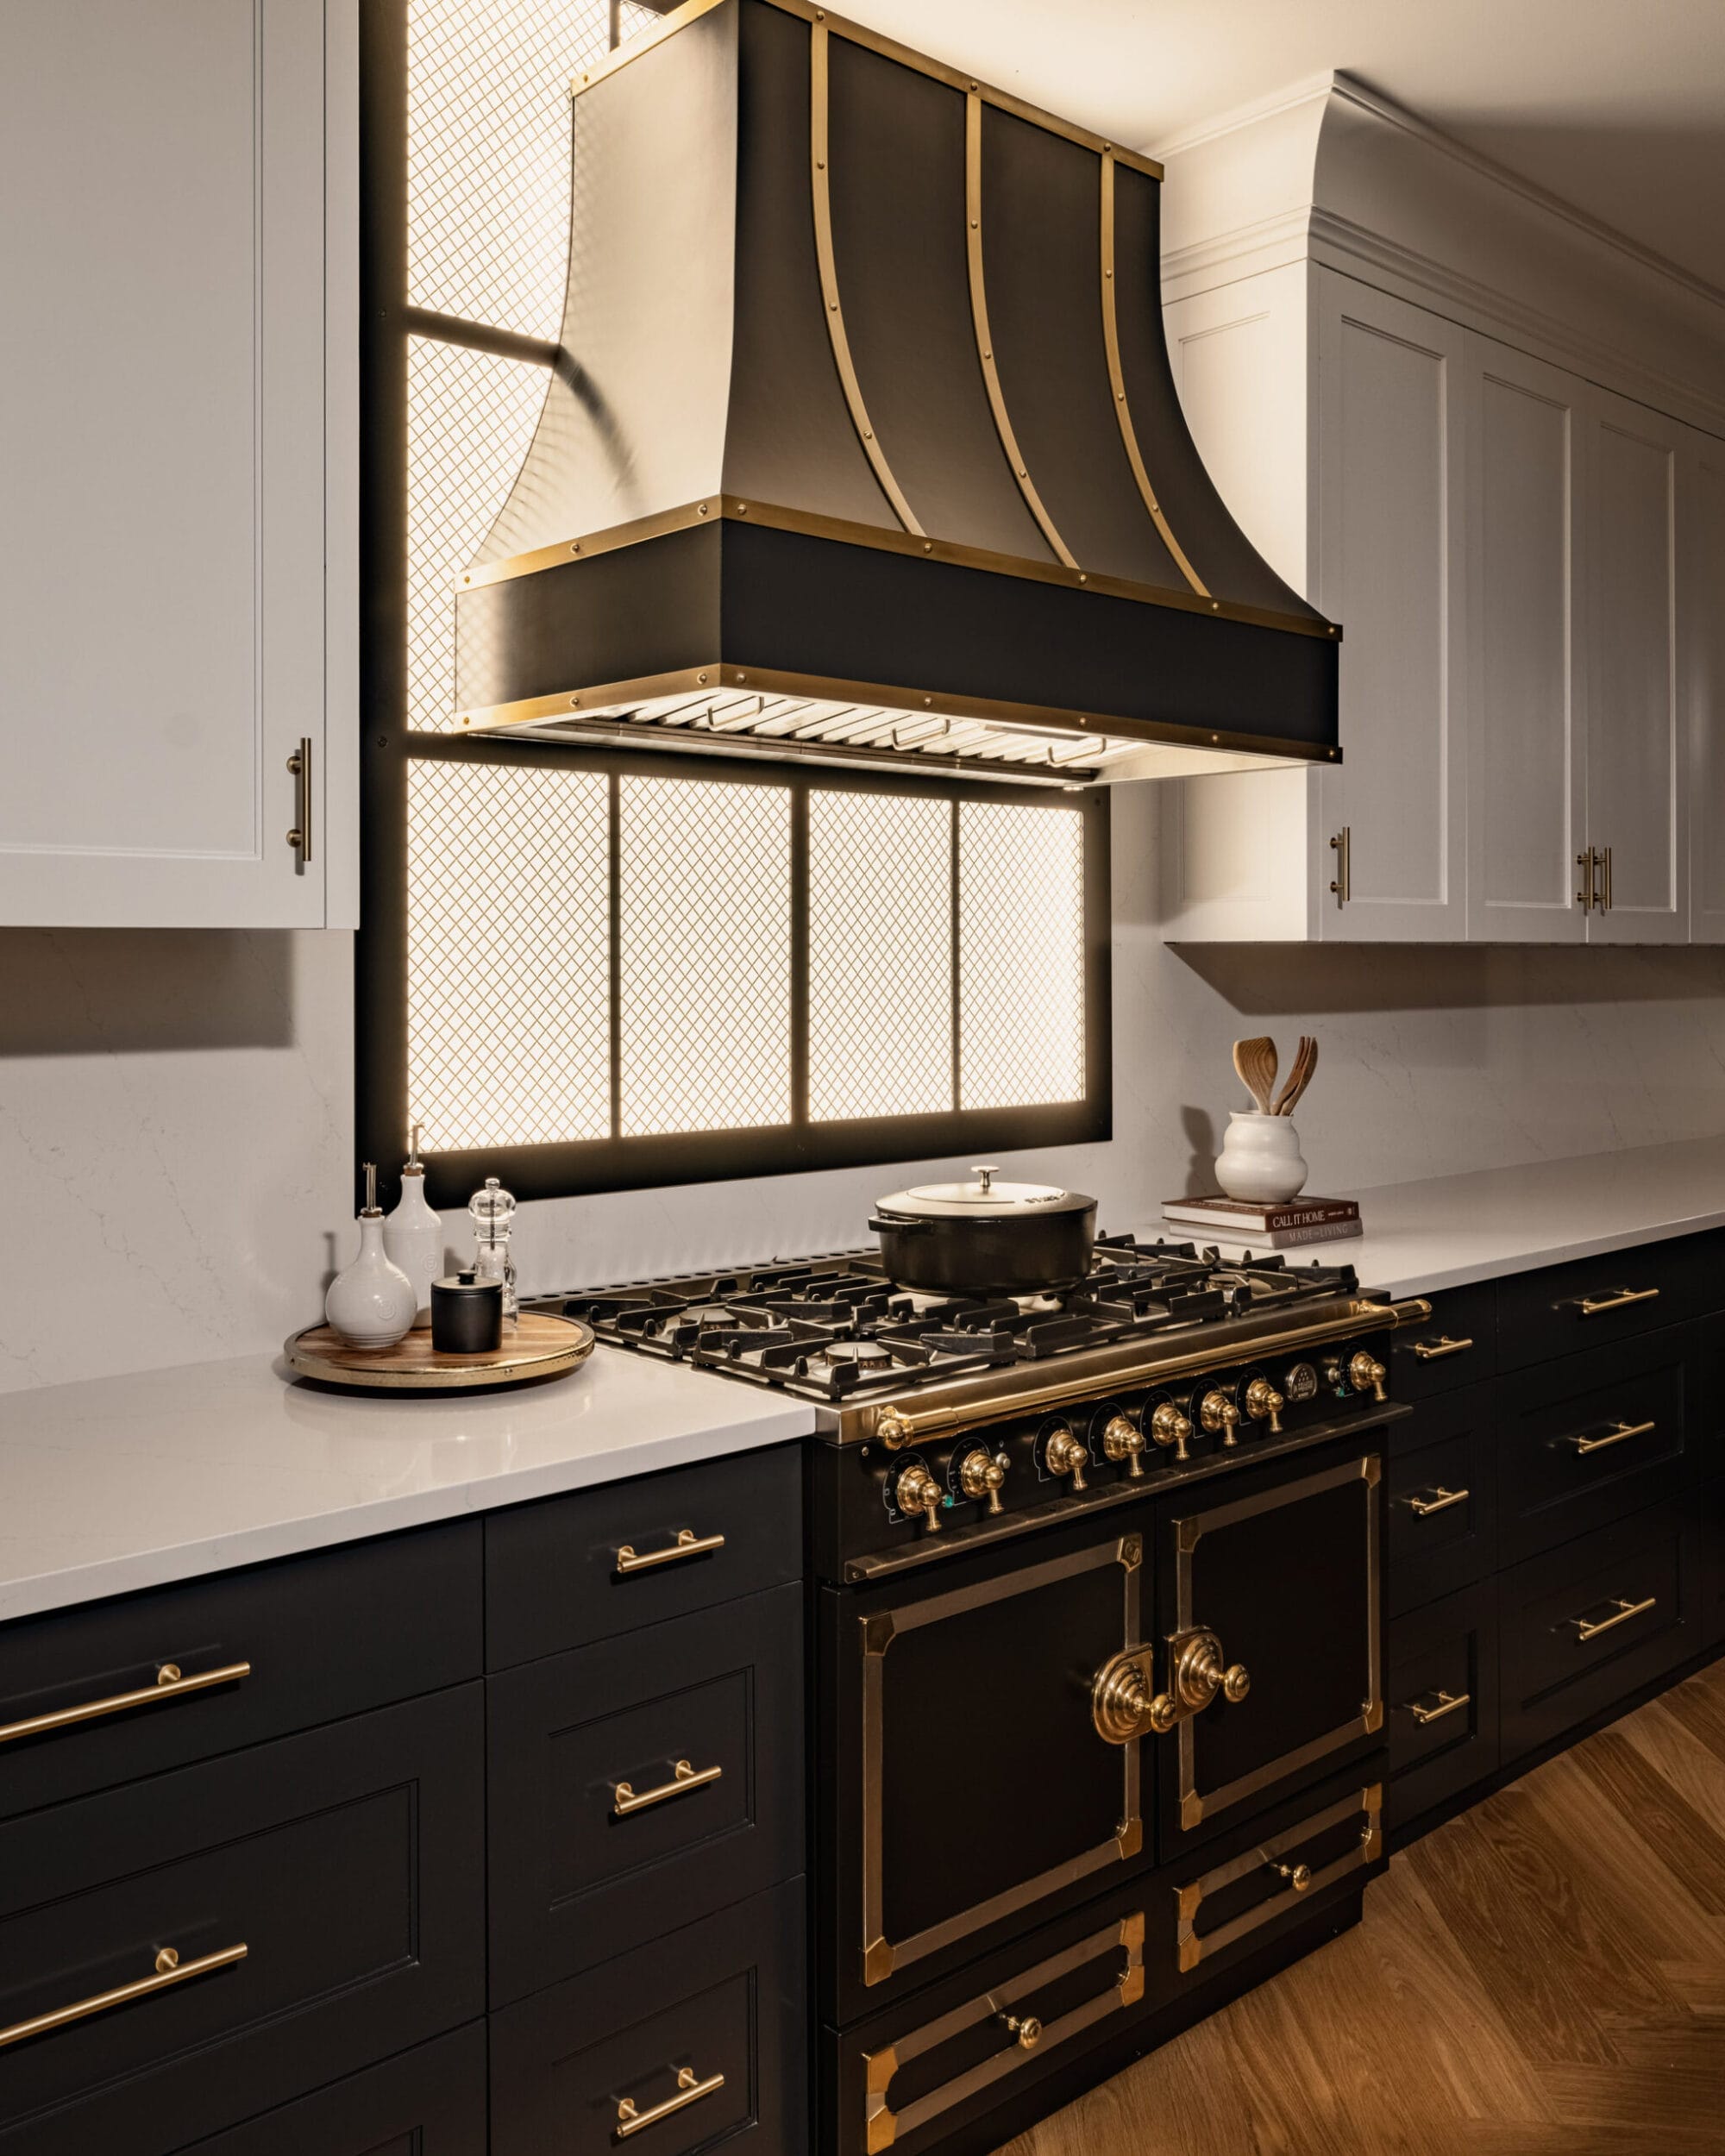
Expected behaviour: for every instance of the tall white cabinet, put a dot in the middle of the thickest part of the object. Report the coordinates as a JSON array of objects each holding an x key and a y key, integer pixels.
[{"x": 178, "y": 440}]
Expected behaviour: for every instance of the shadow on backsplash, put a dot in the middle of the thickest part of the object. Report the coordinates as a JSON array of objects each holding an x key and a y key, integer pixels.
[
  {"x": 1271, "y": 979},
  {"x": 87, "y": 991}
]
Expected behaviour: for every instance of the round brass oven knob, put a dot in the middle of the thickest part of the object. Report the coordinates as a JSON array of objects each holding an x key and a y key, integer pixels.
[
  {"x": 1169, "y": 1426},
  {"x": 1028, "y": 2030},
  {"x": 916, "y": 1491},
  {"x": 1122, "y": 1439},
  {"x": 1264, "y": 1404},
  {"x": 982, "y": 1476},
  {"x": 1064, "y": 1454},
  {"x": 1219, "y": 1413},
  {"x": 1367, "y": 1375}
]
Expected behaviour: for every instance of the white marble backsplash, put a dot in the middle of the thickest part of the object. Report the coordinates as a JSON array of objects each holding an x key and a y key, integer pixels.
[{"x": 176, "y": 1111}]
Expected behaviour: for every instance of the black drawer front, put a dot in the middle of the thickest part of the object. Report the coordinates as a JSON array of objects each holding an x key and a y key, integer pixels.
[
  {"x": 431, "y": 2102},
  {"x": 1590, "y": 1438},
  {"x": 1581, "y": 1626},
  {"x": 575, "y": 1570},
  {"x": 1713, "y": 1561},
  {"x": 1457, "y": 1347},
  {"x": 572, "y": 1881},
  {"x": 325, "y": 1636},
  {"x": 1443, "y": 1700},
  {"x": 1594, "y": 1302},
  {"x": 1443, "y": 1498},
  {"x": 705, "y": 2026},
  {"x": 347, "y": 1861}
]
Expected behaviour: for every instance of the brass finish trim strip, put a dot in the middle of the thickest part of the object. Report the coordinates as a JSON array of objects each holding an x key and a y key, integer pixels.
[
  {"x": 1447, "y": 1704},
  {"x": 875, "y": 1636},
  {"x": 889, "y": 48},
  {"x": 690, "y": 2089},
  {"x": 1111, "y": 338},
  {"x": 979, "y": 316},
  {"x": 684, "y": 1778},
  {"x": 1618, "y": 1435},
  {"x": 1440, "y": 1500},
  {"x": 883, "y": 2126},
  {"x": 821, "y": 184},
  {"x": 169, "y": 1685},
  {"x": 170, "y": 1970},
  {"x": 809, "y": 523},
  {"x": 1625, "y": 1611},
  {"x": 1435, "y": 1350},
  {"x": 1594, "y": 1306},
  {"x": 1192, "y": 1948},
  {"x": 688, "y": 1544}
]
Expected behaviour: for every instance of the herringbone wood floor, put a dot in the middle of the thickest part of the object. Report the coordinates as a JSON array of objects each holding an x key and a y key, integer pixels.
[{"x": 1544, "y": 1976}]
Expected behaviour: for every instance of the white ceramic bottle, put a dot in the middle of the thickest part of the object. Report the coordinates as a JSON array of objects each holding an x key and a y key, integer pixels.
[
  {"x": 371, "y": 1304},
  {"x": 413, "y": 1235}
]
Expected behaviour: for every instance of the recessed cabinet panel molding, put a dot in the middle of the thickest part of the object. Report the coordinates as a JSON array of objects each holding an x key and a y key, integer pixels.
[
  {"x": 178, "y": 442},
  {"x": 1526, "y": 590},
  {"x": 1701, "y": 550}
]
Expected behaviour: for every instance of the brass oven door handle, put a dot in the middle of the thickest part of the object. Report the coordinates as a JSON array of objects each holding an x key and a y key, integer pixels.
[
  {"x": 1624, "y": 1612},
  {"x": 685, "y": 1777},
  {"x": 1447, "y": 1704},
  {"x": 169, "y": 1685},
  {"x": 169, "y": 1970},
  {"x": 1618, "y": 1435},
  {"x": 1435, "y": 1350},
  {"x": 688, "y": 1544},
  {"x": 1591, "y": 1305},
  {"x": 690, "y": 2089},
  {"x": 1440, "y": 1500}
]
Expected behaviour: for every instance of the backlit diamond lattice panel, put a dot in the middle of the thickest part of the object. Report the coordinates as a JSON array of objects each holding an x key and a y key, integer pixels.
[
  {"x": 705, "y": 960},
  {"x": 1021, "y": 955},
  {"x": 879, "y": 956},
  {"x": 508, "y": 954}
]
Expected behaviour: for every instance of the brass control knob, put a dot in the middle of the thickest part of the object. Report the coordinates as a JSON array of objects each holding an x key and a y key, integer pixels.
[
  {"x": 1026, "y": 2029},
  {"x": 1064, "y": 1454},
  {"x": 1122, "y": 1439},
  {"x": 1169, "y": 1426},
  {"x": 916, "y": 1491},
  {"x": 1219, "y": 1413},
  {"x": 1367, "y": 1373},
  {"x": 981, "y": 1475},
  {"x": 1264, "y": 1404}
]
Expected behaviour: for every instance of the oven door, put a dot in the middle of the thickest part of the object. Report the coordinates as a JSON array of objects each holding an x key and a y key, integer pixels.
[
  {"x": 963, "y": 1776},
  {"x": 1271, "y": 1609}
]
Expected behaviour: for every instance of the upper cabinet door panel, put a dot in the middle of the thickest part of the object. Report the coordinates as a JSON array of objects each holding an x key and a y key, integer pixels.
[
  {"x": 1526, "y": 807},
  {"x": 1701, "y": 640},
  {"x": 1389, "y": 562},
  {"x": 162, "y": 438},
  {"x": 1634, "y": 738}
]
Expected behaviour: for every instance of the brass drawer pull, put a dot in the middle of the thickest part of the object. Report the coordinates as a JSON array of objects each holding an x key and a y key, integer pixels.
[
  {"x": 169, "y": 1685},
  {"x": 169, "y": 1970},
  {"x": 1591, "y": 1305},
  {"x": 1448, "y": 1703},
  {"x": 1435, "y": 1350},
  {"x": 1298, "y": 1875},
  {"x": 685, "y": 1778},
  {"x": 688, "y": 1544},
  {"x": 1440, "y": 1500},
  {"x": 1625, "y": 1611},
  {"x": 1615, "y": 1436},
  {"x": 690, "y": 2089}
]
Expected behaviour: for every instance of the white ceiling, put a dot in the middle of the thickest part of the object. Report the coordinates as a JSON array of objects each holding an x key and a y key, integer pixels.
[{"x": 1617, "y": 105}]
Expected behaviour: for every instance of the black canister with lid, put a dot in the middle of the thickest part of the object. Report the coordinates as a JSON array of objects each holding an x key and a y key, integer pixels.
[{"x": 466, "y": 1315}]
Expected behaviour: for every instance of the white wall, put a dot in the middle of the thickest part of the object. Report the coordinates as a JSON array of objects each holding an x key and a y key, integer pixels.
[{"x": 175, "y": 1111}]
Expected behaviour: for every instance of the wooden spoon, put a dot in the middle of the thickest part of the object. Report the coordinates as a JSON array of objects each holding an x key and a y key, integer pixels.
[
  {"x": 1305, "y": 1062},
  {"x": 1255, "y": 1061}
]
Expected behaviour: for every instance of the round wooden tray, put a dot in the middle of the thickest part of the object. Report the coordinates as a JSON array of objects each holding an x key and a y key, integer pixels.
[{"x": 535, "y": 1346}]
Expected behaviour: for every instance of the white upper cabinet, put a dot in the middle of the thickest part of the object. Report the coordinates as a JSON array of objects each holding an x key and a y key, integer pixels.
[
  {"x": 177, "y": 260},
  {"x": 1702, "y": 643}
]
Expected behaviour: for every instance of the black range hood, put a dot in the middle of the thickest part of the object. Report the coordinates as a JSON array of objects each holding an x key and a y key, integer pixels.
[{"x": 862, "y": 444}]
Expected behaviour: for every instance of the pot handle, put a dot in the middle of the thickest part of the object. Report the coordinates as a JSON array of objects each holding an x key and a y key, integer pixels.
[{"x": 907, "y": 1227}]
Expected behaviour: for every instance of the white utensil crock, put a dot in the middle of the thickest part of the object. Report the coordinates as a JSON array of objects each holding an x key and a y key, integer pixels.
[{"x": 1260, "y": 1157}]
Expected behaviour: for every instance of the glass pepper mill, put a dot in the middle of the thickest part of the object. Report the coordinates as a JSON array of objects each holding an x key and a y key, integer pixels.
[{"x": 493, "y": 1212}]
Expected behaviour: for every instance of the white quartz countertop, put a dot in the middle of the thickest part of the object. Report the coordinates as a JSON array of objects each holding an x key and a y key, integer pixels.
[
  {"x": 125, "y": 1482},
  {"x": 1447, "y": 1231}
]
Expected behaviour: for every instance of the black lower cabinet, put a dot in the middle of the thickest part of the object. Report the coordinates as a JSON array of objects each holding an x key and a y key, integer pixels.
[
  {"x": 430, "y": 2101},
  {"x": 1442, "y": 1689},
  {"x": 697, "y": 2041},
  {"x": 1443, "y": 1497},
  {"x": 270, "y": 1922},
  {"x": 1713, "y": 1563}
]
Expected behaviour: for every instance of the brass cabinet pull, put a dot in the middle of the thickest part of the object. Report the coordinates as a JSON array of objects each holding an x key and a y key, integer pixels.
[
  {"x": 300, "y": 837},
  {"x": 1298, "y": 1875},
  {"x": 1448, "y": 1703},
  {"x": 1591, "y": 1305},
  {"x": 169, "y": 1970},
  {"x": 1435, "y": 1350},
  {"x": 1440, "y": 1500},
  {"x": 1616, "y": 1435},
  {"x": 1588, "y": 897},
  {"x": 685, "y": 1777},
  {"x": 169, "y": 1685},
  {"x": 688, "y": 1544},
  {"x": 690, "y": 2089},
  {"x": 1342, "y": 884},
  {"x": 1603, "y": 857},
  {"x": 1625, "y": 1611}
]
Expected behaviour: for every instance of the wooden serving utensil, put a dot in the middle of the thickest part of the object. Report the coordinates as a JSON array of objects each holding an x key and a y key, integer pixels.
[
  {"x": 1305, "y": 1062},
  {"x": 1255, "y": 1061}
]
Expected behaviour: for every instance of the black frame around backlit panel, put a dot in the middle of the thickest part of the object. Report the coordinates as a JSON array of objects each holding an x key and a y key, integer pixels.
[{"x": 617, "y": 1162}]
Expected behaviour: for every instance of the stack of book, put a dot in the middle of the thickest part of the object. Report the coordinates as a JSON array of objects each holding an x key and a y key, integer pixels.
[{"x": 1284, "y": 1223}]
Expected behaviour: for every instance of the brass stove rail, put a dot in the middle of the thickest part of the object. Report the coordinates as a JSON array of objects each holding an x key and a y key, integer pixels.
[{"x": 1022, "y": 1388}]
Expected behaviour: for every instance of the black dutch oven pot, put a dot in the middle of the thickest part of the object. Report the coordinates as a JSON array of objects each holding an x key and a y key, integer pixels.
[{"x": 985, "y": 1237}]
